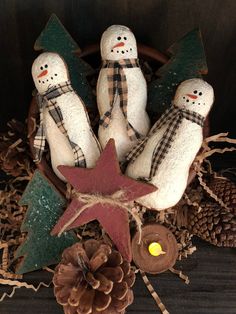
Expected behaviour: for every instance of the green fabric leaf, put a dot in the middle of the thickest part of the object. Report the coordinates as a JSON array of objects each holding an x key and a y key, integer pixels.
[
  {"x": 55, "y": 38},
  {"x": 187, "y": 61},
  {"x": 45, "y": 206}
]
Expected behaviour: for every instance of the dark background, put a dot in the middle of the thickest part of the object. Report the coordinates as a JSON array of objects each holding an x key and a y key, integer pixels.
[{"x": 157, "y": 23}]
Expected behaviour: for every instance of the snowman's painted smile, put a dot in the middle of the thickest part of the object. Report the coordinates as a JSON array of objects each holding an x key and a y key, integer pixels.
[
  {"x": 46, "y": 79},
  {"x": 189, "y": 97}
]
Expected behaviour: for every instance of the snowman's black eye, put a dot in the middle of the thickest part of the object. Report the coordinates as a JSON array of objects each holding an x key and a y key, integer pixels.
[
  {"x": 46, "y": 66},
  {"x": 200, "y": 94},
  {"x": 41, "y": 68},
  {"x": 195, "y": 92},
  {"x": 125, "y": 38},
  {"x": 119, "y": 38}
]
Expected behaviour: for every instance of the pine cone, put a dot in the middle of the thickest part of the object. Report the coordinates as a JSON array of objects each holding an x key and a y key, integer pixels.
[
  {"x": 93, "y": 278},
  {"x": 225, "y": 190},
  {"x": 213, "y": 224}
]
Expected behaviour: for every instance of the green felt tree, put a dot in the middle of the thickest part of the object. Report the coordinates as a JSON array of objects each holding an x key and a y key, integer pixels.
[
  {"x": 187, "y": 61},
  {"x": 55, "y": 38},
  {"x": 45, "y": 206}
]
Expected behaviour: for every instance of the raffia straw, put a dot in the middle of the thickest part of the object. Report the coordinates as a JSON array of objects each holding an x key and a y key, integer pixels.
[
  {"x": 5, "y": 252},
  {"x": 162, "y": 216},
  {"x": 113, "y": 200},
  {"x": 188, "y": 251},
  {"x": 216, "y": 150},
  {"x": 153, "y": 293},
  {"x": 69, "y": 191},
  {"x": 207, "y": 152},
  {"x": 5, "y": 260},
  {"x": 9, "y": 295},
  {"x": 180, "y": 274},
  {"x": 15, "y": 144},
  {"x": 49, "y": 270},
  {"x": 209, "y": 191},
  {"x": 220, "y": 137},
  {"x": 190, "y": 203},
  {"x": 17, "y": 284},
  {"x": 8, "y": 275}
]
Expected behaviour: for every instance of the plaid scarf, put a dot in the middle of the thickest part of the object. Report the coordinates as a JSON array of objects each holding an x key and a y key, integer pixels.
[
  {"x": 117, "y": 85},
  {"x": 49, "y": 100},
  {"x": 172, "y": 117}
]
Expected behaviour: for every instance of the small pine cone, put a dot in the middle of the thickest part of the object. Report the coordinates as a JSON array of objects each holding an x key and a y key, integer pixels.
[
  {"x": 93, "y": 278},
  {"x": 213, "y": 224},
  {"x": 225, "y": 190}
]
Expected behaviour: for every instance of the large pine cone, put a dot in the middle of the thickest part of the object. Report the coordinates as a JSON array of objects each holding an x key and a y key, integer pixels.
[
  {"x": 225, "y": 190},
  {"x": 93, "y": 278},
  {"x": 213, "y": 224}
]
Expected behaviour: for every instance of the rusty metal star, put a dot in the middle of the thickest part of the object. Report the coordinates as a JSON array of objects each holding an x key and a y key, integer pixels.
[{"x": 104, "y": 180}]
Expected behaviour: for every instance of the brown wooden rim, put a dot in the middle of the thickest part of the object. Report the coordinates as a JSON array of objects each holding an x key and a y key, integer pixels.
[{"x": 144, "y": 51}]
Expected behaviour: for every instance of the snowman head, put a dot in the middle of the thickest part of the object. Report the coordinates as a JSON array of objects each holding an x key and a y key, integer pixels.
[
  {"x": 48, "y": 70},
  {"x": 195, "y": 95},
  {"x": 118, "y": 42}
]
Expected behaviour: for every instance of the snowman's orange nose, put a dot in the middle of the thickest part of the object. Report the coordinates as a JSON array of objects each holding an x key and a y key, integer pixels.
[
  {"x": 45, "y": 72},
  {"x": 121, "y": 44},
  {"x": 191, "y": 96}
]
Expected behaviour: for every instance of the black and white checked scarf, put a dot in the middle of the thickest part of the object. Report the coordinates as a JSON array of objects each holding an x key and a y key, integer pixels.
[
  {"x": 49, "y": 100},
  {"x": 172, "y": 117},
  {"x": 117, "y": 85}
]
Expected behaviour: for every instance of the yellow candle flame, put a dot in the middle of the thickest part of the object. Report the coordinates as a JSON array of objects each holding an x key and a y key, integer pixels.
[{"x": 155, "y": 249}]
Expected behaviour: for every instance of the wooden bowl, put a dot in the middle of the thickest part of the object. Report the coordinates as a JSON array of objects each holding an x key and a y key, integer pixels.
[{"x": 144, "y": 52}]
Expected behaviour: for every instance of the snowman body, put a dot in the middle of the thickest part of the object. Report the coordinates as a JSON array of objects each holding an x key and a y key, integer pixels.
[
  {"x": 77, "y": 125},
  {"x": 117, "y": 43},
  {"x": 172, "y": 173},
  {"x": 75, "y": 117},
  {"x": 136, "y": 114}
]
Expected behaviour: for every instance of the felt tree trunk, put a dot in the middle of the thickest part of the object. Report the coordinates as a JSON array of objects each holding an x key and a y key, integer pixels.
[
  {"x": 45, "y": 206},
  {"x": 187, "y": 61},
  {"x": 55, "y": 38},
  {"x": 93, "y": 278}
]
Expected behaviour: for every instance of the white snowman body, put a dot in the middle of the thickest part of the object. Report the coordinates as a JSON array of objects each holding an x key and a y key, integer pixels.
[
  {"x": 118, "y": 43},
  {"x": 48, "y": 70},
  {"x": 172, "y": 173}
]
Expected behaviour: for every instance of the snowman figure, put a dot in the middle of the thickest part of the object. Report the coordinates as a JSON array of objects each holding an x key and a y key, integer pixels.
[
  {"x": 164, "y": 157},
  {"x": 64, "y": 121},
  {"x": 121, "y": 91}
]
